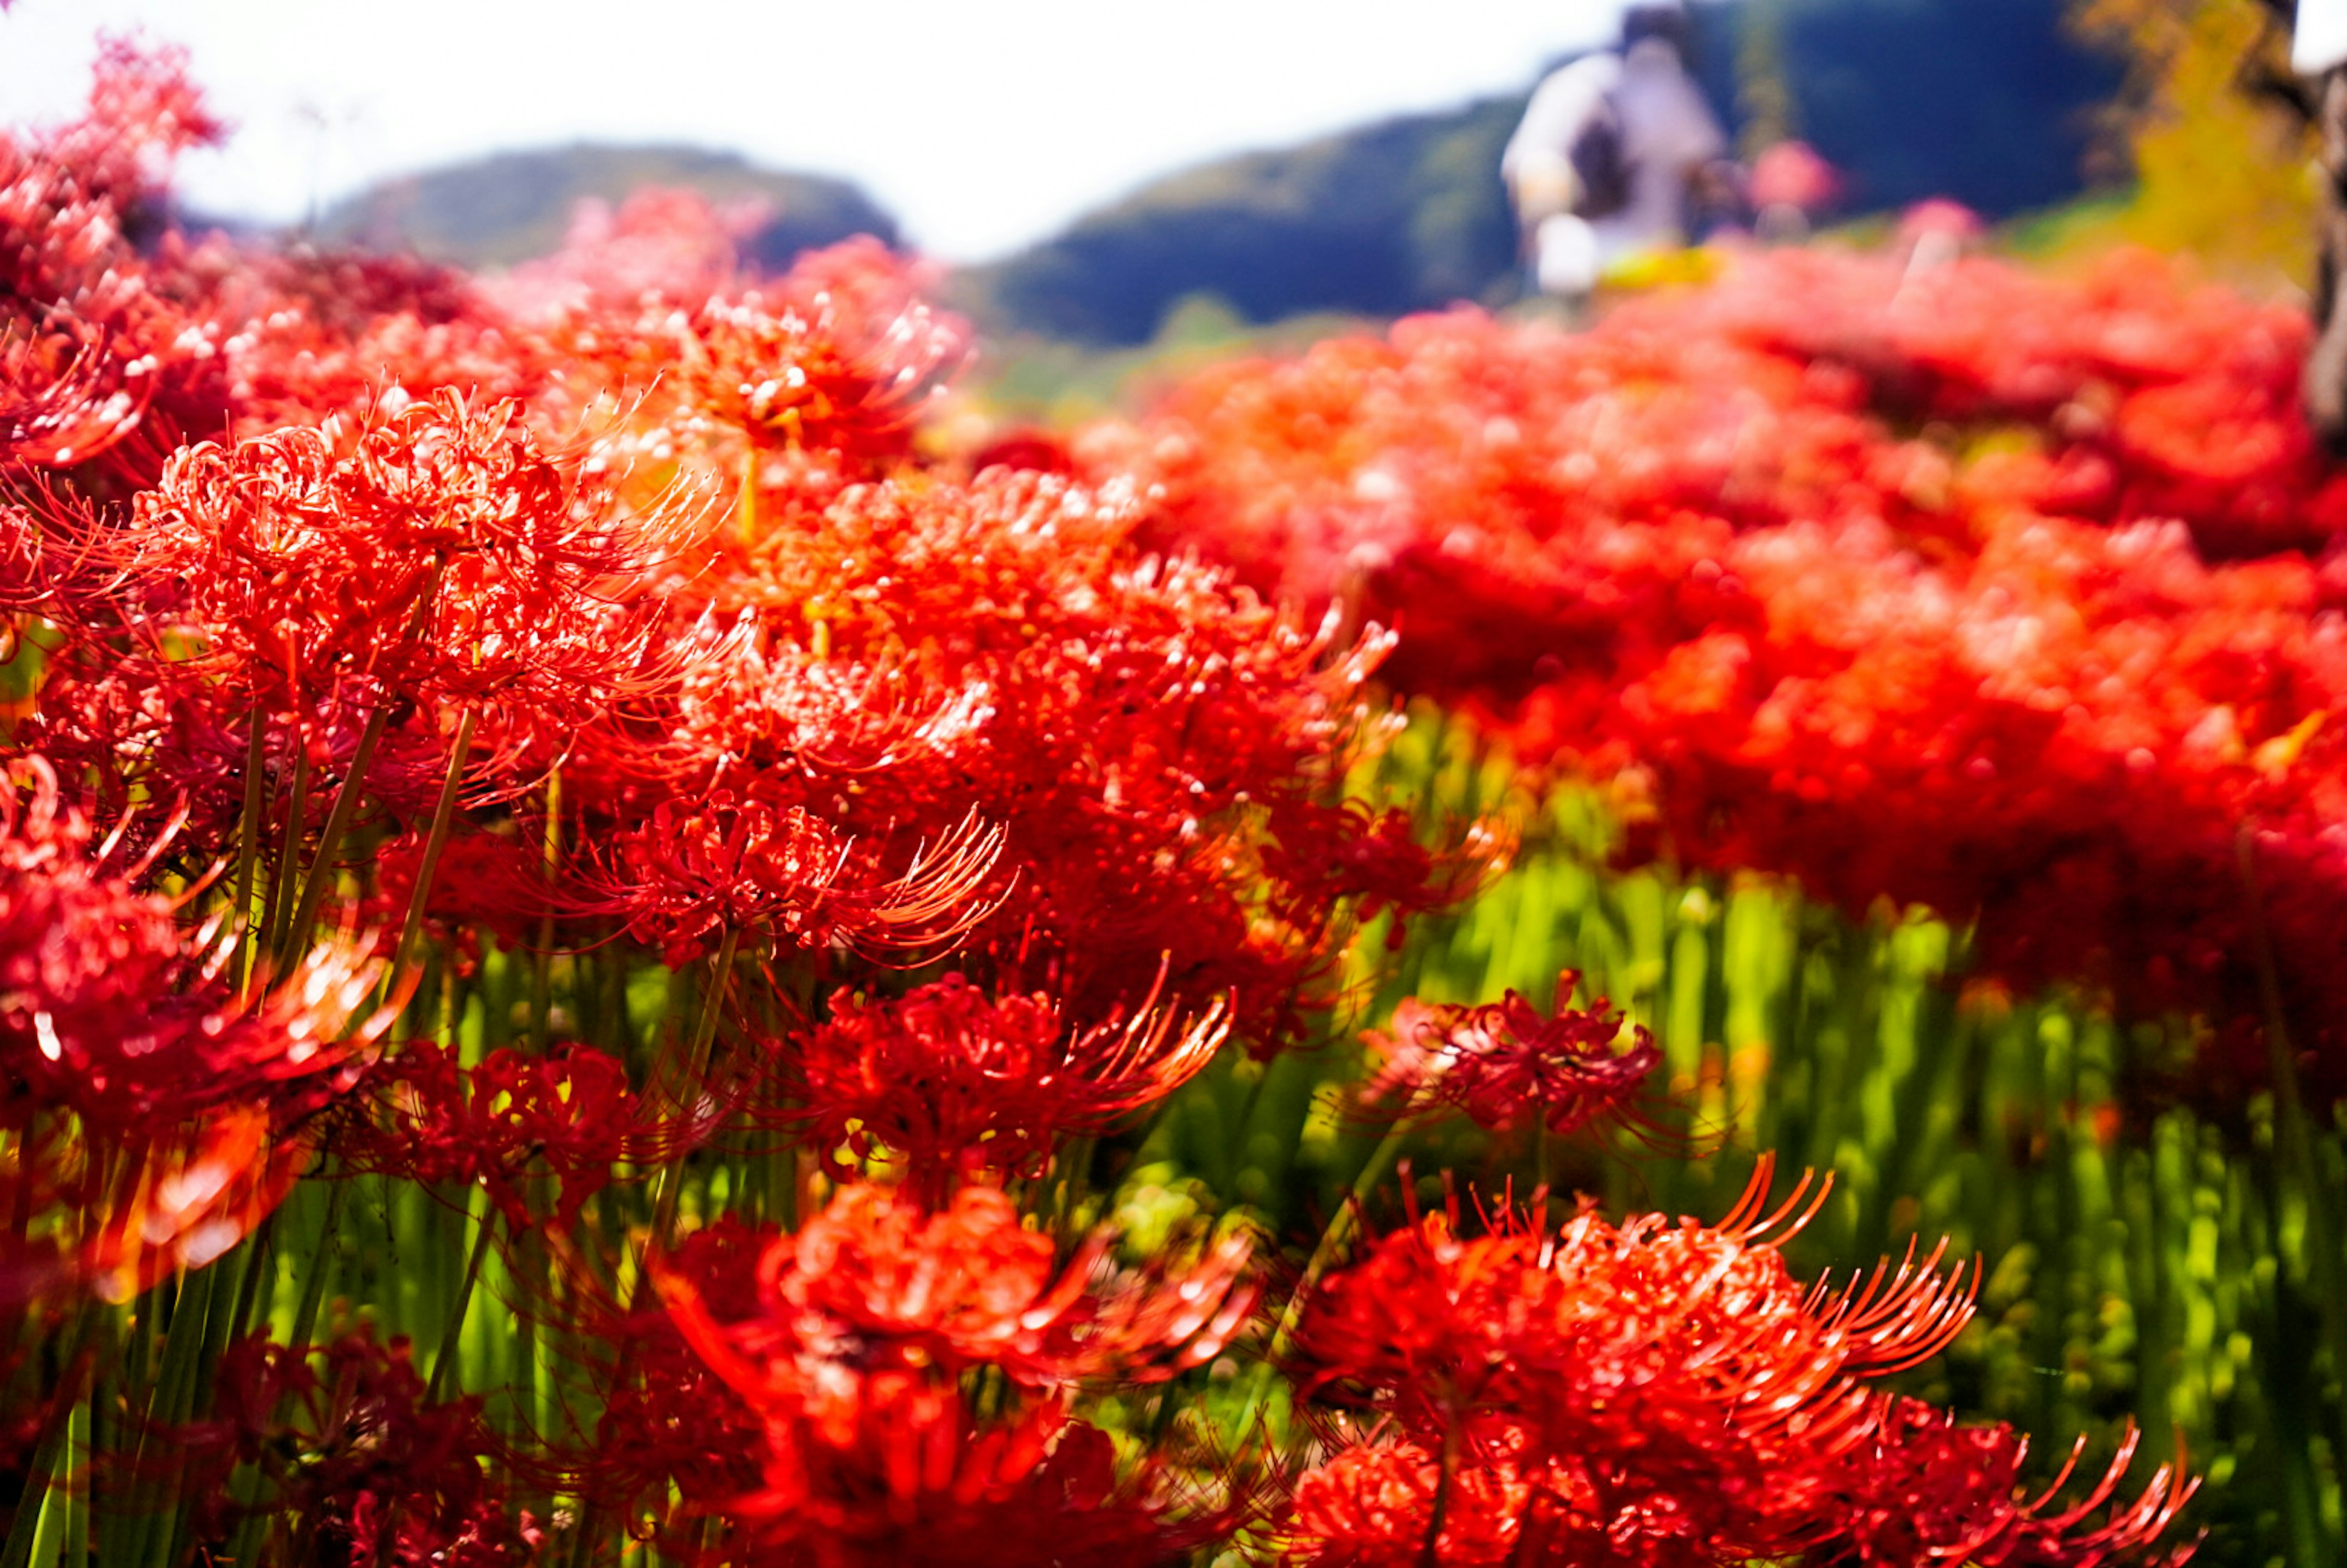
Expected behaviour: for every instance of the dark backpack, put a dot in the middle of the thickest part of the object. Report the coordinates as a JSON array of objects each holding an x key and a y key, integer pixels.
[{"x": 1601, "y": 165}]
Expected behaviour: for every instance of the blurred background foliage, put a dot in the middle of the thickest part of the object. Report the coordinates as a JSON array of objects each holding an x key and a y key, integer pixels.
[{"x": 2211, "y": 164}]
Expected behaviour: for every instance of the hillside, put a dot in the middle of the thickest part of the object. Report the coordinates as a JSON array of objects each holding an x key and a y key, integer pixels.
[
  {"x": 512, "y": 206},
  {"x": 1395, "y": 217},
  {"x": 1987, "y": 101}
]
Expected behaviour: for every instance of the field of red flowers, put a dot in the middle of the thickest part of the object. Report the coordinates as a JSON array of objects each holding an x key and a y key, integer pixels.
[{"x": 615, "y": 949}]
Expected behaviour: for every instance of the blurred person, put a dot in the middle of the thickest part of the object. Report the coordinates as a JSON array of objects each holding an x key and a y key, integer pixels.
[
  {"x": 1610, "y": 150},
  {"x": 2319, "y": 52}
]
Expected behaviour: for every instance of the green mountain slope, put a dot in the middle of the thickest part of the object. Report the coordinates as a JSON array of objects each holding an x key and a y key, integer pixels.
[
  {"x": 515, "y": 205},
  {"x": 1396, "y": 217}
]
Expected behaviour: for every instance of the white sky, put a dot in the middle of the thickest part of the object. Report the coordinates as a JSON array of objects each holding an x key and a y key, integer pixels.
[{"x": 982, "y": 124}]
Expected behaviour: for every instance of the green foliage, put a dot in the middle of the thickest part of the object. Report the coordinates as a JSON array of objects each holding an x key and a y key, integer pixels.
[{"x": 2219, "y": 172}]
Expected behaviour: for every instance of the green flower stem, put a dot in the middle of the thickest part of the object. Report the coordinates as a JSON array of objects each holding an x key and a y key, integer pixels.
[
  {"x": 39, "y": 1508},
  {"x": 2294, "y": 1143},
  {"x": 542, "y": 972},
  {"x": 289, "y": 860},
  {"x": 321, "y": 1259},
  {"x": 151, "y": 1535},
  {"x": 249, "y": 833},
  {"x": 443, "y": 1360},
  {"x": 704, "y": 1034},
  {"x": 75, "y": 1549},
  {"x": 330, "y": 839},
  {"x": 1332, "y": 1244},
  {"x": 444, "y": 813}
]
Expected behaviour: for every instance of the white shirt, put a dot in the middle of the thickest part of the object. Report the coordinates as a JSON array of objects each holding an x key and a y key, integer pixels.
[
  {"x": 2319, "y": 40},
  {"x": 1668, "y": 131}
]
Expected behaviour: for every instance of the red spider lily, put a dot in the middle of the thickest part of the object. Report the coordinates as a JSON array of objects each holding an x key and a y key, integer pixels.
[
  {"x": 849, "y": 1358},
  {"x": 293, "y": 1040},
  {"x": 751, "y": 709},
  {"x": 823, "y": 374},
  {"x": 144, "y": 113},
  {"x": 485, "y": 880},
  {"x": 843, "y": 358},
  {"x": 512, "y": 1122},
  {"x": 206, "y": 337},
  {"x": 921, "y": 1480},
  {"x": 726, "y": 864},
  {"x": 909, "y": 1472},
  {"x": 440, "y": 556},
  {"x": 110, "y": 1219},
  {"x": 77, "y": 941},
  {"x": 1651, "y": 1395},
  {"x": 1953, "y": 1496},
  {"x": 360, "y": 1466},
  {"x": 108, "y": 1009},
  {"x": 1327, "y": 855},
  {"x": 1374, "y": 1505},
  {"x": 137, "y": 728},
  {"x": 21, "y": 572},
  {"x": 1506, "y": 1066},
  {"x": 65, "y": 399},
  {"x": 181, "y": 1087},
  {"x": 669, "y": 1426},
  {"x": 1617, "y": 1305},
  {"x": 1670, "y": 1390},
  {"x": 1927, "y": 1490},
  {"x": 337, "y": 332},
  {"x": 958, "y": 1084},
  {"x": 659, "y": 246},
  {"x": 966, "y": 1286},
  {"x": 75, "y": 199}
]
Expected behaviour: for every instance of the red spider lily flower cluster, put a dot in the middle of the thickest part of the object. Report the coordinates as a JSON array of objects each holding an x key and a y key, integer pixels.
[
  {"x": 786, "y": 876},
  {"x": 63, "y": 398},
  {"x": 1659, "y": 1393},
  {"x": 514, "y": 1123},
  {"x": 847, "y": 1345},
  {"x": 105, "y": 1223},
  {"x": 186, "y": 1090},
  {"x": 957, "y": 1083},
  {"x": 1143, "y": 735},
  {"x": 371, "y": 1469},
  {"x": 2039, "y": 665},
  {"x": 844, "y": 361},
  {"x": 1507, "y": 1067},
  {"x": 441, "y": 559},
  {"x": 74, "y": 200}
]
